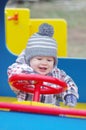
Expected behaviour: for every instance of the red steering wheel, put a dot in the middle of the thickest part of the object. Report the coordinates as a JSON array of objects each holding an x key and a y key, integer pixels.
[{"x": 36, "y": 84}]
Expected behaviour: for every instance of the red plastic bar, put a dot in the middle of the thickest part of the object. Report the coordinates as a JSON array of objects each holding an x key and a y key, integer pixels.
[
  {"x": 43, "y": 110},
  {"x": 36, "y": 96}
]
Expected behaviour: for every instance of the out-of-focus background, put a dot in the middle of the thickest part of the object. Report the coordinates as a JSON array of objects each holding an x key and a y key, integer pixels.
[{"x": 73, "y": 11}]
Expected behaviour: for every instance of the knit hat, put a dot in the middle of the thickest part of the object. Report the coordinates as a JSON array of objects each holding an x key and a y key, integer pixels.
[{"x": 41, "y": 43}]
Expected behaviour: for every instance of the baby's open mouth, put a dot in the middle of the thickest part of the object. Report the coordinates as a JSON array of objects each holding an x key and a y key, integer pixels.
[{"x": 43, "y": 68}]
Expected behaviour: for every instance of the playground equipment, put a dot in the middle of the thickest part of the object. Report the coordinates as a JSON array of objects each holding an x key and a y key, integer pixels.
[
  {"x": 19, "y": 24},
  {"x": 9, "y": 117}
]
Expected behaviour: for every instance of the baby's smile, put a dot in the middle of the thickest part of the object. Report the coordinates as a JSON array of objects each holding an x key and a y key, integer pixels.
[{"x": 42, "y": 68}]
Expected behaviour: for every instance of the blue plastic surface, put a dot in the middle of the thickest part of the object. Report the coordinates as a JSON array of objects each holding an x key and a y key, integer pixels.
[{"x": 24, "y": 121}]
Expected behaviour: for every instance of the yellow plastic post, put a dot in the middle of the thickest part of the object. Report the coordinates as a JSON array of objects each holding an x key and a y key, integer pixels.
[{"x": 17, "y": 30}]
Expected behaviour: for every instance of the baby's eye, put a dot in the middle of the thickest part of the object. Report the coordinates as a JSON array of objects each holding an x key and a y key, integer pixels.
[
  {"x": 49, "y": 60},
  {"x": 39, "y": 58}
]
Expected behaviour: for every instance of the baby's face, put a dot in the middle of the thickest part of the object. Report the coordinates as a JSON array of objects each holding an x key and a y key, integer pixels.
[{"x": 42, "y": 64}]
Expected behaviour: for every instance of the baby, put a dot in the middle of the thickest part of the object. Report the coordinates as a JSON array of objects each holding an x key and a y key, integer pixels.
[{"x": 40, "y": 57}]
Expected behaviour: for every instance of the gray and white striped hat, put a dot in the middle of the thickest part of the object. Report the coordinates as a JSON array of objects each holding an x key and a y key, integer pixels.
[{"x": 42, "y": 43}]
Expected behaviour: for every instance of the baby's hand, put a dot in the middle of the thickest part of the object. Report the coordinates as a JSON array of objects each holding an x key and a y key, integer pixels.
[{"x": 70, "y": 100}]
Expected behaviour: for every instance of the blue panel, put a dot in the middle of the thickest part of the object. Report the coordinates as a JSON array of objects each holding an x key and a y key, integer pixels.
[
  {"x": 76, "y": 68},
  {"x": 6, "y": 58},
  {"x": 26, "y": 121}
]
